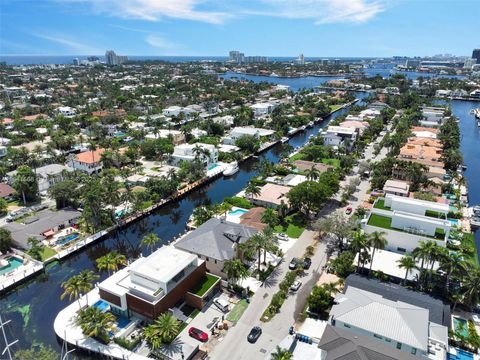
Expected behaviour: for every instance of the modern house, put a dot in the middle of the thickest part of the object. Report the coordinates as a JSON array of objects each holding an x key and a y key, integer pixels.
[
  {"x": 408, "y": 221},
  {"x": 262, "y": 109},
  {"x": 177, "y": 136},
  {"x": 395, "y": 324},
  {"x": 87, "y": 161},
  {"x": 271, "y": 196},
  {"x": 432, "y": 116},
  {"x": 424, "y": 132},
  {"x": 396, "y": 187},
  {"x": 339, "y": 135},
  {"x": 208, "y": 154},
  {"x": 66, "y": 111},
  {"x": 155, "y": 284},
  {"x": 216, "y": 241},
  {"x": 238, "y": 132}
]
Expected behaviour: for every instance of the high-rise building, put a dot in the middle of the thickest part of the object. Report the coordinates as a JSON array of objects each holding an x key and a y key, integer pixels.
[
  {"x": 468, "y": 64},
  {"x": 236, "y": 56},
  {"x": 76, "y": 62},
  {"x": 476, "y": 55},
  {"x": 300, "y": 60},
  {"x": 114, "y": 59}
]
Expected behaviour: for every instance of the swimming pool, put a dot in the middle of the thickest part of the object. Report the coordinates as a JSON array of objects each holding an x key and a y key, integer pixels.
[
  {"x": 457, "y": 322},
  {"x": 122, "y": 322},
  {"x": 212, "y": 166},
  {"x": 454, "y": 222},
  {"x": 13, "y": 263},
  {"x": 101, "y": 305},
  {"x": 460, "y": 355},
  {"x": 237, "y": 212},
  {"x": 62, "y": 240}
]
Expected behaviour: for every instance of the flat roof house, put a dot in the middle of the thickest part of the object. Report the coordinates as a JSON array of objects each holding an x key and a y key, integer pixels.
[
  {"x": 396, "y": 187},
  {"x": 432, "y": 116},
  {"x": 177, "y": 136},
  {"x": 370, "y": 315},
  {"x": 240, "y": 131},
  {"x": 153, "y": 285},
  {"x": 262, "y": 109},
  {"x": 216, "y": 241},
  {"x": 339, "y": 135},
  {"x": 207, "y": 153},
  {"x": 88, "y": 161}
]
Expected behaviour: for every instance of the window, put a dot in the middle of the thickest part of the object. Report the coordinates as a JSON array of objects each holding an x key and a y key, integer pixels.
[
  {"x": 414, "y": 351},
  {"x": 346, "y": 325},
  {"x": 399, "y": 345},
  {"x": 388, "y": 340},
  {"x": 401, "y": 249},
  {"x": 179, "y": 276},
  {"x": 377, "y": 336}
]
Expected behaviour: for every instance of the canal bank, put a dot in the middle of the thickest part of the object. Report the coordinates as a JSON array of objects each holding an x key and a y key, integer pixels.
[{"x": 32, "y": 307}]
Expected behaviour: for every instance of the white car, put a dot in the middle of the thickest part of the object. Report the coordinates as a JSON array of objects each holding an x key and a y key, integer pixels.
[
  {"x": 296, "y": 285},
  {"x": 222, "y": 304},
  {"x": 476, "y": 318},
  {"x": 282, "y": 236}
]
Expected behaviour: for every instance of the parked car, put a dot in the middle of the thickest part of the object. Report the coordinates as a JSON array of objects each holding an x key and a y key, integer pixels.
[
  {"x": 198, "y": 334},
  {"x": 296, "y": 285},
  {"x": 307, "y": 262},
  {"x": 293, "y": 264},
  {"x": 282, "y": 236},
  {"x": 348, "y": 210},
  {"x": 254, "y": 334},
  {"x": 222, "y": 304}
]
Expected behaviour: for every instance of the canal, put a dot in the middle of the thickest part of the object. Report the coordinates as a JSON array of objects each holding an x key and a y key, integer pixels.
[{"x": 33, "y": 306}]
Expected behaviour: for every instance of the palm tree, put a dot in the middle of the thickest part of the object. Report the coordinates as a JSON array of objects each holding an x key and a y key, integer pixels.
[
  {"x": 163, "y": 330},
  {"x": 235, "y": 270},
  {"x": 252, "y": 190},
  {"x": 471, "y": 286},
  {"x": 312, "y": 174},
  {"x": 150, "y": 240},
  {"x": 95, "y": 323},
  {"x": 73, "y": 287},
  {"x": 453, "y": 265},
  {"x": 111, "y": 261},
  {"x": 254, "y": 245},
  {"x": 270, "y": 217},
  {"x": 359, "y": 244},
  {"x": 281, "y": 354},
  {"x": 377, "y": 240},
  {"x": 408, "y": 263},
  {"x": 87, "y": 277},
  {"x": 270, "y": 242}
]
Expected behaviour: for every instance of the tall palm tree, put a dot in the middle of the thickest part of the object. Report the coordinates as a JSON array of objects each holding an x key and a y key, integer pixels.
[
  {"x": 73, "y": 287},
  {"x": 150, "y": 240},
  {"x": 252, "y": 190},
  {"x": 111, "y": 261},
  {"x": 235, "y": 270},
  {"x": 376, "y": 240},
  {"x": 254, "y": 245},
  {"x": 312, "y": 173},
  {"x": 408, "y": 263},
  {"x": 359, "y": 244},
  {"x": 471, "y": 286},
  {"x": 87, "y": 277},
  {"x": 453, "y": 265},
  {"x": 163, "y": 330},
  {"x": 281, "y": 354},
  {"x": 426, "y": 252},
  {"x": 94, "y": 322}
]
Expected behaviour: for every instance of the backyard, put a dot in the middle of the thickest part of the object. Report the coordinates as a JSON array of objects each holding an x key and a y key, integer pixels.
[{"x": 293, "y": 225}]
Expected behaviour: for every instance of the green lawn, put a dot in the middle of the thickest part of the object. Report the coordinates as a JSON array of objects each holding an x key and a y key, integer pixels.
[
  {"x": 435, "y": 214},
  {"x": 47, "y": 253},
  {"x": 297, "y": 156},
  {"x": 332, "y": 162},
  {"x": 335, "y": 107},
  {"x": 380, "y": 221},
  {"x": 237, "y": 311},
  {"x": 293, "y": 227},
  {"x": 204, "y": 285},
  {"x": 380, "y": 204}
]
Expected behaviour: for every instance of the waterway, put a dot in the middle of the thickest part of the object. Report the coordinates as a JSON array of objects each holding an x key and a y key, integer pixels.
[{"x": 33, "y": 306}]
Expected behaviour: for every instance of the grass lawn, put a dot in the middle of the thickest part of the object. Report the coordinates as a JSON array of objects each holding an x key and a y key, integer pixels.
[
  {"x": 206, "y": 283},
  {"x": 332, "y": 162},
  {"x": 380, "y": 221},
  {"x": 297, "y": 156},
  {"x": 435, "y": 214},
  {"x": 47, "y": 253},
  {"x": 468, "y": 242},
  {"x": 335, "y": 107},
  {"x": 380, "y": 204},
  {"x": 294, "y": 227},
  {"x": 236, "y": 313}
]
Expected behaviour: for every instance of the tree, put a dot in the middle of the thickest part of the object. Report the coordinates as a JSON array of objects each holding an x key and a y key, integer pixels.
[
  {"x": 312, "y": 173},
  {"x": 408, "y": 263},
  {"x": 452, "y": 264},
  {"x": 319, "y": 300},
  {"x": 95, "y": 323},
  {"x": 376, "y": 240},
  {"x": 25, "y": 183},
  {"x": 64, "y": 192},
  {"x": 252, "y": 190},
  {"x": 87, "y": 277},
  {"x": 270, "y": 217},
  {"x": 37, "y": 352},
  {"x": 337, "y": 226},
  {"x": 281, "y": 354},
  {"x": 150, "y": 241},
  {"x": 36, "y": 248},
  {"x": 201, "y": 215},
  {"x": 163, "y": 330},
  {"x": 359, "y": 245},
  {"x": 3, "y": 206},
  {"x": 111, "y": 261},
  {"x": 471, "y": 286},
  {"x": 424, "y": 252},
  {"x": 235, "y": 270},
  {"x": 6, "y": 241},
  {"x": 343, "y": 264},
  {"x": 73, "y": 287},
  {"x": 248, "y": 143}
]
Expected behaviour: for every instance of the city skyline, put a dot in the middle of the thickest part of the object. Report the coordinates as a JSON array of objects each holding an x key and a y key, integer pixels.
[{"x": 318, "y": 28}]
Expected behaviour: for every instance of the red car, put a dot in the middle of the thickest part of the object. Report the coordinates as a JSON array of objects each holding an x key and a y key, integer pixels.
[
  {"x": 198, "y": 334},
  {"x": 348, "y": 210}
]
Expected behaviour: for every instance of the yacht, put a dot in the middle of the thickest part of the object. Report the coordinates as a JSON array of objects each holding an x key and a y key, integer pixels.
[
  {"x": 284, "y": 139},
  {"x": 231, "y": 169}
]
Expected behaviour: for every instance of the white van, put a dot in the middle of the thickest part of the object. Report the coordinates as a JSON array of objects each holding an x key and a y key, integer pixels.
[{"x": 222, "y": 304}]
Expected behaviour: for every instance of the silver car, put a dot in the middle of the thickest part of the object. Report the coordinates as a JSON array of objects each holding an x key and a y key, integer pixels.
[{"x": 296, "y": 285}]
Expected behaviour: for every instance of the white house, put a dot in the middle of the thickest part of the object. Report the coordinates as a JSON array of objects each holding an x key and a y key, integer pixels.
[
  {"x": 432, "y": 116},
  {"x": 227, "y": 120},
  {"x": 207, "y": 153},
  {"x": 66, "y": 111},
  {"x": 47, "y": 175},
  {"x": 172, "y": 111},
  {"x": 240, "y": 131},
  {"x": 87, "y": 161},
  {"x": 262, "y": 109},
  {"x": 408, "y": 221},
  {"x": 339, "y": 135},
  {"x": 177, "y": 136}
]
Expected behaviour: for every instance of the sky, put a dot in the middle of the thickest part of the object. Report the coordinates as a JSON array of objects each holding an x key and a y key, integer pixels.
[{"x": 316, "y": 28}]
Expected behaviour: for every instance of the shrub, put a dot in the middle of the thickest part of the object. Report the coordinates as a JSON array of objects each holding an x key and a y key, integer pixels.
[
  {"x": 127, "y": 344},
  {"x": 238, "y": 202}
]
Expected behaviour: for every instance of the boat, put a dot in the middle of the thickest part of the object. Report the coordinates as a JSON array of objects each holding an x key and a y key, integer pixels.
[
  {"x": 310, "y": 124},
  {"x": 284, "y": 139},
  {"x": 303, "y": 127},
  {"x": 476, "y": 112},
  {"x": 231, "y": 169}
]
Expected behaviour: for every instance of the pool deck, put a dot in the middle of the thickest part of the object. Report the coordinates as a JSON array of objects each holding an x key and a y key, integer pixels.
[{"x": 21, "y": 273}]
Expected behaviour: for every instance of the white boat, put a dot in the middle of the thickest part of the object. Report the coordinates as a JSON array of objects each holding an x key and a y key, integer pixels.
[
  {"x": 284, "y": 139},
  {"x": 231, "y": 169},
  {"x": 310, "y": 124}
]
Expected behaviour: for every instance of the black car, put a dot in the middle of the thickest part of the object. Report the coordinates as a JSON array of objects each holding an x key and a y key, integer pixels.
[
  {"x": 293, "y": 264},
  {"x": 254, "y": 334},
  {"x": 307, "y": 262}
]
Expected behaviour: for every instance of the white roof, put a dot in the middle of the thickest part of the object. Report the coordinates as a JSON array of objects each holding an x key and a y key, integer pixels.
[
  {"x": 248, "y": 130},
  {"x": 341, "y": 130},
  {"x": 417, "y": 202}
]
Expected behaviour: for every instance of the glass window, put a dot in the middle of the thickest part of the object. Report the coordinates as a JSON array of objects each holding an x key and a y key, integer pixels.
[
  {"x": 414, "y": 351},
  {"x": 399, "y": 345}
]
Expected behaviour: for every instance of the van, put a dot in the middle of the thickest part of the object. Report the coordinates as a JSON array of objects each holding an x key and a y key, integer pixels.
[{"x": 222, "y": 304}]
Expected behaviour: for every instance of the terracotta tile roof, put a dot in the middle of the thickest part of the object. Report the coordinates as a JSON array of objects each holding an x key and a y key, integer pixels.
[
  {"x": 307, "y": 165},
  {"x": 86, "y": 157},
  {"x": 423, "y": 128},
  {"x": 6, "y": 190},
  {"x": 253, "y": 218}
]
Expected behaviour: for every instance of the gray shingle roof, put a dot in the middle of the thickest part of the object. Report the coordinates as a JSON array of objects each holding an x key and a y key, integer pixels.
[
  {"x": 216, "y": 239},
  {"x": 439, "y": 312}
]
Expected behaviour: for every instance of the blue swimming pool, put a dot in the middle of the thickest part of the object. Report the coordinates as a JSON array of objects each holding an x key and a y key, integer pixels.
[
  {"x": 13, "y": 263},
  {"x": 454, "y": 222},
  {"x": 237, "y": 212},
  {"x": 122, "y": 322},
  {"x": 461, "y": 355},
  {"x": 62, "y": 240},
  {"x": 212, "y": 166},
  {"x": 459, "y": 322},
  {"x": 101, "y": 305}
]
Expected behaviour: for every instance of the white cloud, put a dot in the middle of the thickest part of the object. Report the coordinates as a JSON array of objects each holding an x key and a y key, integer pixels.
[
  {"x": 325, "y": 11},
  {"x": 159, "y": 42},
  {"x": 153, "y": 10},
  {"x": 72, "y": 45}
]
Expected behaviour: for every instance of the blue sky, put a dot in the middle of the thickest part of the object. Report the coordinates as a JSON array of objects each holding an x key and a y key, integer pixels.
[{"x": 257, "y": 27}]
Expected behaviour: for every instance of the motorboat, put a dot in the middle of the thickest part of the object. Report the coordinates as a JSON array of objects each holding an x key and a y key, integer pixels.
[
  {"x": 231, "y": 169},
  {"x": 284, "y": 139}
]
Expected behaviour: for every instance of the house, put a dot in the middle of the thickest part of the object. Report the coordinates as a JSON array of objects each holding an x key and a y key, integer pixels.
[
  {"x": 396, "y": 187},
  {"x": 432, "y": 116},
  {"x": 360, "y": 126},
  {"x": 3, "y": 151},
  {"x": 206, "y": 153},
  {"x": 216, "y": 241},
  {"x": 303, "y": 165},
  {"x": 408, "y": 221},
  {"x": 271, "y": 196},
  {"x": 6, "y": 191},
  {"x": 153, "y": 285},
  {"x": 339, "y": 135},
  {"x": 66, "y": 111},
  {"x": 425, "y": 155},
  {"x": 262, "y": 109},
  {"x": 424, "y": 132},
  {"x": 172, "y": 111},
  {"x": 238, "y": 132},
  {"x": 87, "y": 161},
  {"x": 47, "y": 175},
  {"x": 227, "y": 120},
  {"x": 369, "y": 315},
  {"x": 378, "y": 105},
  {"x": 253, "y": 218},
  {"x": 177, "y": 136}
]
